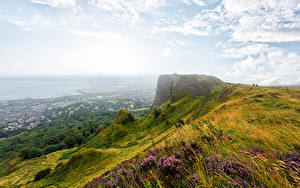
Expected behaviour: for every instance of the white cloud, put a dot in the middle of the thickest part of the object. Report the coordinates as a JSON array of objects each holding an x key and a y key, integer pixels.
[
  {"x": 251, "y": 25},
  {"x": 30, "y": 23},
  {"x": 19, "y": 22},
  {"x": 246, "y": 28},
  {"x": 56, "y": 3},
  {"x": 244, "y": 21},
  {"x": 265, "y": 65},
  {"x": 266, "y": 36},
  {"x": 177, "y": 43},
  {"x": 203, "y": 24},
  {"x": 128, "y": 9},
  {"x": 180, "y": 42},
  {"x": 167, "y": 52},
  {"x": 197, "y": 2},
  {"x": 242, "y": 51},
  {"x": 263, "y": 20},
  {"x": 237, "y": 7},
  {"x": 39, "y": 22},
  {"x": 97, "y": 34}
]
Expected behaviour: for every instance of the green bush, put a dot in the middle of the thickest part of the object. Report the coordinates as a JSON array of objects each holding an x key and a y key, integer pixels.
[
  {"x": 29, "y": 153},
  {"x": 156, "y": 113},
  {"x": 128, "y": 119},
  {"x": 58, "y": 165},
  {"x": 41, "y": 174},
  {"x": 167, "y": 122},
  {"x": 53, "y": 148},
  {"x": 72, "y": 141}
]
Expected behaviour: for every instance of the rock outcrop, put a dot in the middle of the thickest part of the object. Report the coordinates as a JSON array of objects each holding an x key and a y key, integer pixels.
[{"x": 173, "y": 85}]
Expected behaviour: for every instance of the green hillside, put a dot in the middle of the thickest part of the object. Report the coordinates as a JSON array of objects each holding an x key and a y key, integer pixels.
[{"x": 252, "y": 131}]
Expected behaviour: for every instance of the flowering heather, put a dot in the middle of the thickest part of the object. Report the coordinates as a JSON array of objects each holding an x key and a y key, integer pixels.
[
  {"x": 175, "y": 167},
  {"x": 195, "y": 178},
  {"x": 238, "y": 182},
  {"x": 188, "y": 152},
  {"x": 170, "y": 166},
  {"x": 148, "y": 163},
  {"x": 257, "y": 150},
  {"x": 291, "y": 159},
  {"x": 228, "y": 166},
  {"x": 154, "y": 152},
  {"x": 233, "y": 167}
]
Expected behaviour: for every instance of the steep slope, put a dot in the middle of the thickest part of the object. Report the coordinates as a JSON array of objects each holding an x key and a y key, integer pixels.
[
  {"x": 237, "y": 126},
  {"x": 249, "y": 140},
  {"x": 127, "y": 137},
  {"x": 175, "y": 86},
  {"x": 104, "y": 151}
]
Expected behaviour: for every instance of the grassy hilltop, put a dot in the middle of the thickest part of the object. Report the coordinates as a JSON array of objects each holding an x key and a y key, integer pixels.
[{"x": 230, "y": 135}]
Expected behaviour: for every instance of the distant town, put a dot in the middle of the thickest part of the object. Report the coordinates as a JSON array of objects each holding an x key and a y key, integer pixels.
[{"x": 29, "y": 113}]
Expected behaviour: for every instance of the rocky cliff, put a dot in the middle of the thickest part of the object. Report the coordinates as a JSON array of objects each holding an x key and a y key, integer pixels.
[{"x": 173, "y": 85}]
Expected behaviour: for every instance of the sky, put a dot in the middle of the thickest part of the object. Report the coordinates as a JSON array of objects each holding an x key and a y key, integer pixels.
[{"x": 241, "y": 41}]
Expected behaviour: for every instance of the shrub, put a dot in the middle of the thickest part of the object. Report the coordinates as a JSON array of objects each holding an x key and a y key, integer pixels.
[
  {"x": 189, "y": 151},
  {"x": 73, "y": 140},
  {"x": 170, "y": 166},
  {"x": 58, "y": 165},
  {"x": 179, "y": 123},
  {"x": 130, "y": 117},
  {"x": 148, "y": 163},
  {"x": 167, "y": 122},
  {"x": 231, "y": 167},
  {"x": 29, "y": 153},
  {"x": 125, "y": 117},
  {"x": 53, "y": 148},
  {"x": 41, "y": 174},
  {"x": 156, "y": 113}
]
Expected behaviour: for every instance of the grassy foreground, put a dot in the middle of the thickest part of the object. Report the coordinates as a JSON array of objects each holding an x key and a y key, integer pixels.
[
  {"x": 236, "y": 136},
  {"x": 19, "y": 173}
]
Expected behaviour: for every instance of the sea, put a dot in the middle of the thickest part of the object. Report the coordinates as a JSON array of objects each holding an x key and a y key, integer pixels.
[{"x": 12, "y": 88}]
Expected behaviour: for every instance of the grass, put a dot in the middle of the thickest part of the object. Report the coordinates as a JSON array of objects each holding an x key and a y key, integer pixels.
[
  {"x": 139, "y": 109},
  {"x": 2, "y": 167},
  {"x": 247, "y": 117},
  {"x": 19, "y": 173},
  {"x": 261, "y": 167},
  {"x": 273, "y": 131},
  {"x": 68, "y": 154}
]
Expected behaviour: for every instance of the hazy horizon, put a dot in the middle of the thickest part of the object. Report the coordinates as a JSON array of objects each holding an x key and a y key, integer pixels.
[{"x": 38, "y": 87}]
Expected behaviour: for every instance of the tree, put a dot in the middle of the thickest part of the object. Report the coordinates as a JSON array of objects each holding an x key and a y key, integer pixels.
[
  {"x": 29, "y": 153},
  {"x": 53, "y": 148},
  {"x": 73, "y": 140},
  {"x": 42, "y": 173}
]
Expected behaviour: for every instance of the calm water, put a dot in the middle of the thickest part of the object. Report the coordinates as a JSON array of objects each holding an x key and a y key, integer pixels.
[{"x": 44, "y": 87}]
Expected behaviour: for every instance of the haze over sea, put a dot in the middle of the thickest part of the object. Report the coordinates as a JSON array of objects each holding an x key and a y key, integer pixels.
[{"x": 12, "y": 88}]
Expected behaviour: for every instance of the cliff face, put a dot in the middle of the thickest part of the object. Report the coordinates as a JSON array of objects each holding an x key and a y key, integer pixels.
[{"x": 168, "y": 86}]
